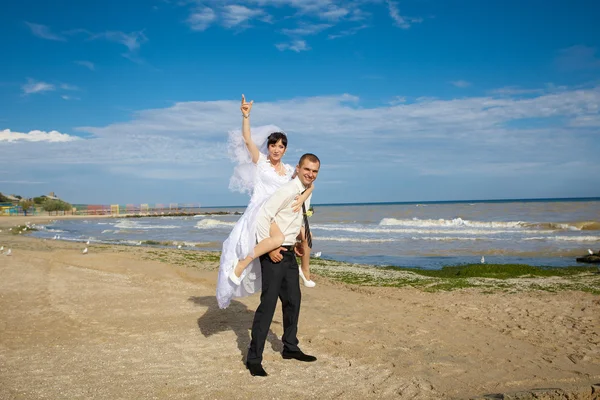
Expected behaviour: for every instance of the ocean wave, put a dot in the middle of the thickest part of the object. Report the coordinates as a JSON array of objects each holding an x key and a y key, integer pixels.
[
  {"x": 450, "y": 238},
  {"x": 567, "y": 238},
  {"x": 107, "y": 231},
  {"x": 516, "y": 225},
  {"x": 427, "y": 231},
  {"x": 415, "y": 222},
  {"x": 127, "y": 224},
  {"x": 210, "y": 223},
  {"x": 43, "y": 228},
  {"x": 351, "y": 239},
  {"x": 567, "y": 226}
]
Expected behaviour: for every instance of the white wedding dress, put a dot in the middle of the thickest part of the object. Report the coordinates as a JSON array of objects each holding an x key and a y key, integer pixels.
[{"x": 261, "y": 180}]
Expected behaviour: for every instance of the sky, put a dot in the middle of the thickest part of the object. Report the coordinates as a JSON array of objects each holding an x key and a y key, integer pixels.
[{"x": 106, "y": 102}]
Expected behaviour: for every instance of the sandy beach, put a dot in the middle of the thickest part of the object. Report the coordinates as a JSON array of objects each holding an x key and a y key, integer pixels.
[{"x": 134, "y": 322}]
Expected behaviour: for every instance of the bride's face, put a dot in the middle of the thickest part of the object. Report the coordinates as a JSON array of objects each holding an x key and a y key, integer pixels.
[{"x": 276, "y": 150}]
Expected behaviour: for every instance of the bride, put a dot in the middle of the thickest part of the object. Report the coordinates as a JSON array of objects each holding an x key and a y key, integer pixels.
[{"x": 260, "y": 172}]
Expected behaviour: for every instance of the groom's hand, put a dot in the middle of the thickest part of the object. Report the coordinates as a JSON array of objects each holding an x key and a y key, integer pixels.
[
  {"x": 275, "y": 255},
  {"x": 299, "y": 249}
]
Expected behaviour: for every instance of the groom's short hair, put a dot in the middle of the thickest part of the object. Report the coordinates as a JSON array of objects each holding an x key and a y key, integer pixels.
[{"x": 310, "y": 157}]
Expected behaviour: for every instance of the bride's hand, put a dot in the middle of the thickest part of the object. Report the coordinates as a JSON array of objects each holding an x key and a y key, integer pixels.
[
  {"x": 246, "y": 107},
  {"x": 298, "y": 201}
]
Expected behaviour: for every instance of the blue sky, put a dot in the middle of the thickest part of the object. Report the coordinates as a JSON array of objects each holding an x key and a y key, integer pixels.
[{"x": 417, "y": 100}]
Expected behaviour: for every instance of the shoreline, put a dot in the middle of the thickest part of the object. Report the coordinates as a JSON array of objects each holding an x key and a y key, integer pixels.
[
  {"x": 554, "y": 255},
  {"x": 146, "y": 320},
  {"x": 516, "y": 277}
]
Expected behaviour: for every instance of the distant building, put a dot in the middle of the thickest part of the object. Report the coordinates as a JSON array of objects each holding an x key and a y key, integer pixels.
[{"x": 50, "y": 196}]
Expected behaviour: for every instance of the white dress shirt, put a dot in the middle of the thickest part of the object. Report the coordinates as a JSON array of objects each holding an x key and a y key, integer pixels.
[{"x": 278, "y": 209}]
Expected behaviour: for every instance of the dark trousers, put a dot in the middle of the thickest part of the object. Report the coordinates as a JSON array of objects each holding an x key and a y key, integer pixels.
[{"x": 279, "y": 280}]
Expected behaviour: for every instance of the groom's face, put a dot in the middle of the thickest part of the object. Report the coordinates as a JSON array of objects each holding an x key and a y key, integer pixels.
[{"x": 308, "y": 171}]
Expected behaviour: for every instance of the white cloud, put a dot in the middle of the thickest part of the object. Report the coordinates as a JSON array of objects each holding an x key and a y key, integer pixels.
[
  {"x": 347, "y": 32},
  {"x": 132, "y": 40},
  {"x": 485, "y": 135},
  {"x": 306, "y": 29},
  {"x": 398, "y": 100},
  {"x": 42, "y": 31},
  {"x": 334, "y": 13},
  {"x": 66, "y": 86},
  {"x": 295, "y": 45},
  {"x": 235, "y": 15},
  {"x": 88, "y": 64},
  {"x": 35, "y": 136},
  {"x": 201, "y": 18},
  {"x": 33, "y": 86},
  {"x": 400, "y": 20},
  {"x": 461, "y": 84},
  {"x": 345, "y": 14}
]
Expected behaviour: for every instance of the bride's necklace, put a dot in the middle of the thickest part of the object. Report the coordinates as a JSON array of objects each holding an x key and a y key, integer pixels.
[{"x": 278, "y": 168}]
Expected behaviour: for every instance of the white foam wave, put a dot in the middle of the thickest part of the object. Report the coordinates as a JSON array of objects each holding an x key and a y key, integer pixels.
[
  {"x": 128, "y": 224},
  {"x": 107, "y": 231},
  {"x": 448, "y": 238},
  {"x": 415, "y": 222},
  {"x": 210, "y": 223},
  {"x": 567, "y": 238},
  {"x": 351, "y": 239},
  {"x": 429, "y": 231}
]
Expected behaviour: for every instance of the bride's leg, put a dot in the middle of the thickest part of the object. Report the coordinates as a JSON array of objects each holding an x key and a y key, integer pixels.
[
  {"x": 274, "y": 240},
  {"x": 305, "y": 259}
]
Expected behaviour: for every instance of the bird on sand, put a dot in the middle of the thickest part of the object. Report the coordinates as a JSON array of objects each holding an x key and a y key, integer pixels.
[{"x": 483, "y": 259}]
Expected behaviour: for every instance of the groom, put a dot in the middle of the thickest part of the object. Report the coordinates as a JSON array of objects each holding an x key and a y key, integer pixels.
[{"x": 280, "y": 277}]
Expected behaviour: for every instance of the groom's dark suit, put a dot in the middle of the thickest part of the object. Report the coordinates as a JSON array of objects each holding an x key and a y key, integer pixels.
[{"x": 279, "y": 279}]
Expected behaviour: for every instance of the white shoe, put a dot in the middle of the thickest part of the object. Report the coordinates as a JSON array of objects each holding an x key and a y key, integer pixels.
[
  {"x": 307, "y": 283},
  {"x": 233, "y": 277}
]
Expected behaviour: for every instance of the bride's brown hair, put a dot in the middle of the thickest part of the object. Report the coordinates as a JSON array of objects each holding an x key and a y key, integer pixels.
[{"x": 276, "y": 137}]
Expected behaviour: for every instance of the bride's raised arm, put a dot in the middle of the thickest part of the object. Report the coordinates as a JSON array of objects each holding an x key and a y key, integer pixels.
[{"x": 246, "y": 108}]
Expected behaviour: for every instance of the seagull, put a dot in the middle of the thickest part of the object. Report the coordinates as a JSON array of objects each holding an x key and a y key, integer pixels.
[
  {"x": 85, "y": 251},
  {"x": 483, "y": 259},
  {"x": 179, "y": 247},
  {"x": 317, "y": 254},
  {"x": 9, "y": 252},
  {"x": 55, "y": 237},
  {"x": 88, "y": 242},
  {"x": 591, "y": 252}
]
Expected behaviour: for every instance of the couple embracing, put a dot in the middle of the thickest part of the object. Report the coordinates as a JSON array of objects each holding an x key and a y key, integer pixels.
[{"x": 260, "y": 253}]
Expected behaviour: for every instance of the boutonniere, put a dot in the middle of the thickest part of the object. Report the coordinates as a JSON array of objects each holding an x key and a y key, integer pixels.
[{"x": 310, "y": 212}]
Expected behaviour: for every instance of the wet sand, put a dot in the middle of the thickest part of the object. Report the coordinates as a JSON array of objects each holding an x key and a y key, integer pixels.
[{"x": 124, "y": 322}]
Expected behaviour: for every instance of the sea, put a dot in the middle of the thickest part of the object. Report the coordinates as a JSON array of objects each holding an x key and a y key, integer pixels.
[{"x": 429, "y": 235}]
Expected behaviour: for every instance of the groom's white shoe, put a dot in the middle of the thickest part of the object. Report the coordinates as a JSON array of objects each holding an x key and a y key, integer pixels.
[
  {"x": 233, "y": 277},
  {"x": 306, "y": 282}
]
